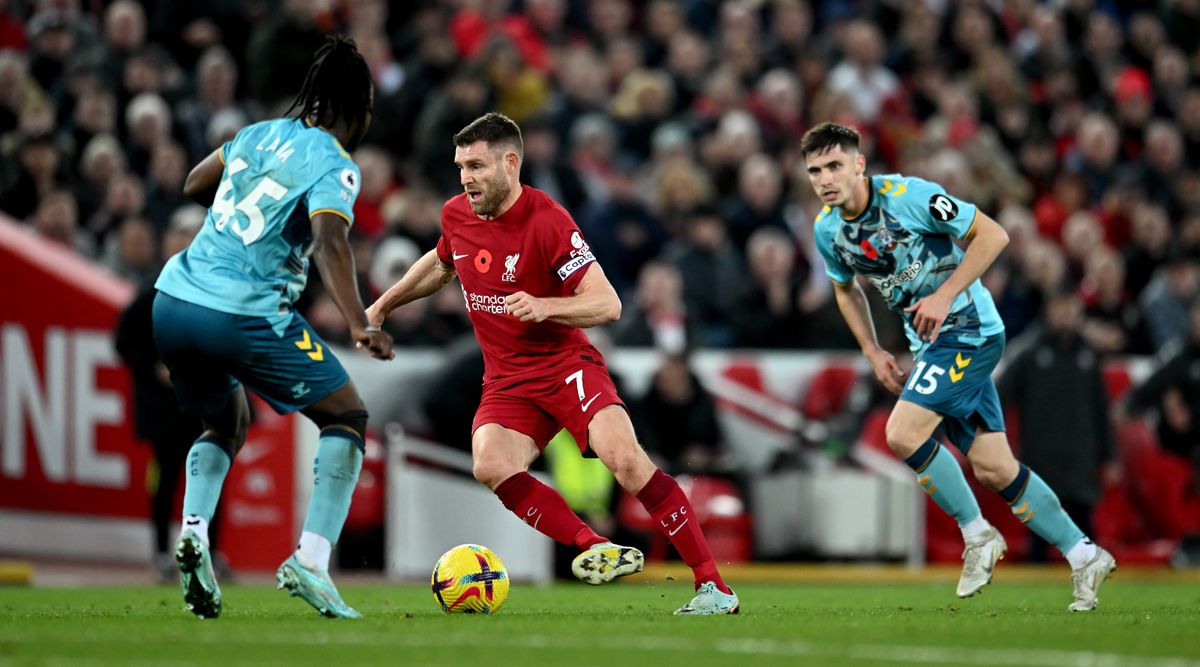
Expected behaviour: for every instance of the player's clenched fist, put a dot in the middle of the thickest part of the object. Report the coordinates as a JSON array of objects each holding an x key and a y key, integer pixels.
[{"x": 526, "y": 307}]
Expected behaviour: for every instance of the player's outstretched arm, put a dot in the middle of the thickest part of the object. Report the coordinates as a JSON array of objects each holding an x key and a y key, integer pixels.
[
  {"x": 595, "y": 302},
  {"x": 203, "y": 179},
  {"x": 984, "y": 241},
  {"x": 853, "y": 304},
  {"x": 331, "y": 252},
  {"x": 426, "y": 276}
]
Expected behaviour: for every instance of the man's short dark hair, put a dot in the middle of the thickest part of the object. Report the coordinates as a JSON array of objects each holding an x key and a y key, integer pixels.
[
  {"x": 825, "y": 136},
  {"x": 495, "y": 128}
]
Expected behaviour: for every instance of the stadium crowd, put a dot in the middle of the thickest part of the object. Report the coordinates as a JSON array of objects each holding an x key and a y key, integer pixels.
[
  {"x": 668, "y": 128},
  {"x": 670, "y": 131}
]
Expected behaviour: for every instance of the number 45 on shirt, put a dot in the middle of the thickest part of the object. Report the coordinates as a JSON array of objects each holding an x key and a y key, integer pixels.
[{"x": 225, "y": 208}]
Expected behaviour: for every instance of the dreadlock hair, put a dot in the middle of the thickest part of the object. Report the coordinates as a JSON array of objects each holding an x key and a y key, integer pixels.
[{"x": 337, "y": 86}]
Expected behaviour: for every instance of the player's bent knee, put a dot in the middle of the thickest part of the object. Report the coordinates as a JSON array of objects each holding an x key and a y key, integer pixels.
[
  {"x": 630, "y": 466},
  {"x": 351, "y": 422},
  {"x": 492, "y": 473},
  {"x": 902, "y": 441},
  {"x": 991, "y": 474}
]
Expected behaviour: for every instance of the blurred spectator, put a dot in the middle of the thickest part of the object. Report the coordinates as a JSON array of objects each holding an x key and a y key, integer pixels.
[
  {"x": 38, "y": 166},
  {"x": 1161, "y": 163},
  {"x": 1150, "y": 243},
  {"x": 1057, "y": 386},
  {"x": 861, "y": 76},
  {"x": 546, "y": 168},
  {"x": 216, "y": 84},
  {"x": 168, "y": 169},
  {"x": 659, "y": 318},
  {"x": 378, "y": 182},
  {"x": 1097, "y": 148},
  {"x": 415, "y": 214},
  {"x": 279, "y": 53},
  {"x": 585, "y": 87},
  {"x": 148, "y": 121},
  {"x": 452, "y": 395},
  {"x": 759, "y": 200},
  {"x": 1112, "y": 324},
  {"x": 124, "y": 197},
  {"x": 644, "y": 100},
  {"x": 95, "y": 115},
  {"x": 770, "y": 316},
  {"x": 57, "y": 218},
  {"x": 621, "y": 231},
  {"x": 102, "y": 160},
  {"x": 124, "y": 34},
  {"x": 464, "y": 99},
  {"x": 132, "y": 252},
  {"x": 1172, "y": 393},
  {"x": 12, "y": 33},
  {"x": 677, "y": 421},
  {"x": 1166, "y": 300},
  {"x": 521, "y": 91},
  {"x": 53, "y": 37},
  {"x": 713, "y": 275},
  {"x": 594, "y": 145},
  {"x": 17, "y": 89}
]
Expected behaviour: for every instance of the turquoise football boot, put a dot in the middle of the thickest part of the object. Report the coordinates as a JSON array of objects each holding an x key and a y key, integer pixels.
[
  {"x": 201, "y": 593},
  {"x": 314, "y": 587},
  {"x": 710, "y": 601}
]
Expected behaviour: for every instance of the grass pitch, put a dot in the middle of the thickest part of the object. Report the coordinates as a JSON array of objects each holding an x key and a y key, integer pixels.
[{"x": 1139, "y": 624}]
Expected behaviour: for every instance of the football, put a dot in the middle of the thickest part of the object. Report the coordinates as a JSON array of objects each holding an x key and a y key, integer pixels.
[{"x": 470, "y": 579}]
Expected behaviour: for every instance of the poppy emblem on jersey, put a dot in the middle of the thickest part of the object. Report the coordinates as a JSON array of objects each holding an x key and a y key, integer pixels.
[
  {"x": 483, "y": 261},
  {"x": 510, "y": 268}
]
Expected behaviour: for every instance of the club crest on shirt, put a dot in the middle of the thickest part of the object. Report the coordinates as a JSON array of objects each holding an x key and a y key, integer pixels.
[
  {"x": 884, "y": 239},
  {"x": 510, "y": 268}
]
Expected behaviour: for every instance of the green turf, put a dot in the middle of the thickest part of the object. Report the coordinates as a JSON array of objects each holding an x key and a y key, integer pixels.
[{"x": 1147, "y": 624}]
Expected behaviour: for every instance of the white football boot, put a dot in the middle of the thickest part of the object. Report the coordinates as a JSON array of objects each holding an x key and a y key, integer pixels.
[
  {"x": 1087, "y": 579},
  {"x": 979, "y": 559}
]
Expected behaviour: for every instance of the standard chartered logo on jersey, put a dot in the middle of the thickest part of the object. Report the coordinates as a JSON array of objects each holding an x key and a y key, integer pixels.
[{"x": 487, "y": 303}]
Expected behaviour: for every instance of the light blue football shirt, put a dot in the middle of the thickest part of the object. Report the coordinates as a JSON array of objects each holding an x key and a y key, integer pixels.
[
  {"x": 251, "y": 256},
  {"x": 903, "y": 243}
]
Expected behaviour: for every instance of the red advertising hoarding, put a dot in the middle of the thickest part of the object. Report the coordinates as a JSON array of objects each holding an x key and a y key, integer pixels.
[{"x": 71, "y": 469}]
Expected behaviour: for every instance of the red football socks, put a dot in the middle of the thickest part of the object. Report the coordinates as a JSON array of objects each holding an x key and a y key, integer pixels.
[
  {"x": 666, "y": 502},
  {"x": 543, "y": 508}
]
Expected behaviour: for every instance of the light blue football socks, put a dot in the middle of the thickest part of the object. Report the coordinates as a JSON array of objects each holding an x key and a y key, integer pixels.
[
  {"x": 335, "y": 474},
  {"x": 1037, "y": 507},
  {"x": 941, "y": 477},
  {"x": 208, "y": 463}
]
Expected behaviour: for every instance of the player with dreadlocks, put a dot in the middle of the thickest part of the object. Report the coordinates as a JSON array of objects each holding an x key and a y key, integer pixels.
[{"x": 280, "y": 191}]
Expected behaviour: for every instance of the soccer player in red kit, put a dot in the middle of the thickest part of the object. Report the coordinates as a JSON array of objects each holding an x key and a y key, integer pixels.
[{"x": 531, "y": 283}]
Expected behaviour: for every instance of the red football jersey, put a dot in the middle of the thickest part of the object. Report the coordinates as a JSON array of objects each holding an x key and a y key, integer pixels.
[{"x": 534, "y": 247}]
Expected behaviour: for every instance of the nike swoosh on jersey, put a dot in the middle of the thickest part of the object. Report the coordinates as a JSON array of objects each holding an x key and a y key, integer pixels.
[
  {"x": 585, "y": 406},
  {"x": 458, "y": 256}
]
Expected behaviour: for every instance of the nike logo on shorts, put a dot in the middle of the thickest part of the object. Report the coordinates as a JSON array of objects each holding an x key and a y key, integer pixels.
[{"x": 585, "y": 406}]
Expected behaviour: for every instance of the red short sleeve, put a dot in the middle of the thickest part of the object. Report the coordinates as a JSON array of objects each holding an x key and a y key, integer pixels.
[
  {"x": 444, "y": 252},
  {"x": 563, "y": 246}
]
